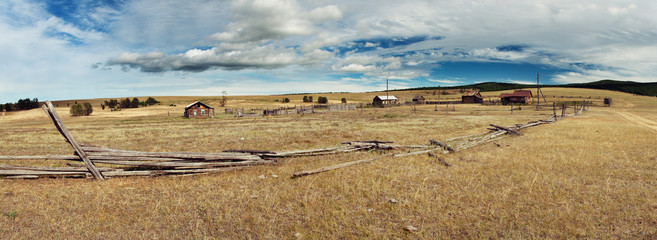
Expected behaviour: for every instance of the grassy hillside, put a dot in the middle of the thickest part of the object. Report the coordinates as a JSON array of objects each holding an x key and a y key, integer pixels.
[{"x": 645, "y": 89}]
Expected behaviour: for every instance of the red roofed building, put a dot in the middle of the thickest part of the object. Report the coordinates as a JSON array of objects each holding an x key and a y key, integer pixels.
[{"x": 518, "y": 96}]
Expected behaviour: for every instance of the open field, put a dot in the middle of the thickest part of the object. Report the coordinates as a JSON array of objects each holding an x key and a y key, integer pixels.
[{"x": 593, "y": 176}]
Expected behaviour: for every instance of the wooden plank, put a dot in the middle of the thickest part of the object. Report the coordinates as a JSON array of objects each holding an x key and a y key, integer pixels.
[
  {"x": 50, "y": 111},
  {"x": 184, "y": 164},
  {"x": 51, "y": 169},
  {"x": 448, "y": 148},
  {"x": 342, "y": 165},
  {"x": 507, "y": 129},
  {"x": 41, "y": 157},
  {"x": 441, "y": 160}
]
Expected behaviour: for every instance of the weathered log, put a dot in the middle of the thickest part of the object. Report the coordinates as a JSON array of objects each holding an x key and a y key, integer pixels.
[
  {"x": 40, "y": 173},
  {"x": 329, "y": 168},
  {"x": 180, "y": 155},
  {"x": 445, "y": 146},
  {"x": 248, "y": 151},
  {"x": 415, "y": 153},
  {"x": 41, "y": 157},
  {"x": 370, "y": 141},
  {"x": 51, "y": 169},
  {"x": 184, "y": 164},
  {"x": 507, "y": 129},
  {"x": 440, "y": 159},
  {"x": 50, "y": 111},
  {"x": 170, "y": 172}
]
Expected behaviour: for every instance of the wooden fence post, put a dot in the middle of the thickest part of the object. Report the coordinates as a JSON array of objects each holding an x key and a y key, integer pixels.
[{"x": 50, "y": 110}]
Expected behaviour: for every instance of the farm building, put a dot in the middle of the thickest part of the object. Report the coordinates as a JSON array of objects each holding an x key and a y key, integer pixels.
[
  {"x": 418, "y": 99},
  {"x": 198, "y": 110},
  {"x": 383, "y": 100},
  {"x": 472, "y": 96},
  {"x": 518, "y": 96}
]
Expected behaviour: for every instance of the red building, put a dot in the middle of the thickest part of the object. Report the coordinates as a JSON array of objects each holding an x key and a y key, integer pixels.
[
  {"x": 198, "y": 110},
  {"x": 518, "y": 96}
]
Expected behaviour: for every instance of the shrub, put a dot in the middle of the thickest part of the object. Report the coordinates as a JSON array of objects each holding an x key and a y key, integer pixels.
[
  {"x": 286, "y": 100},
  {"x": 77, "y": 110},
  {"x": 310, "y": 98},
  {"x": 343, "y": 100},
  {"x": 305, "y": 98},
  {"x": 322, "y": 100}
]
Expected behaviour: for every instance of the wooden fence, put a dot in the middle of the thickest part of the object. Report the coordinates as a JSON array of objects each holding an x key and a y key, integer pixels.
[{"x": 288, "y": 110}]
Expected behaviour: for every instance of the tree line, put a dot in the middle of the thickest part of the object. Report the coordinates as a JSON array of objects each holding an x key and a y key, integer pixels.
[
  {"x": 116, "y": 105},
  {"x": 22, "y": 104}
]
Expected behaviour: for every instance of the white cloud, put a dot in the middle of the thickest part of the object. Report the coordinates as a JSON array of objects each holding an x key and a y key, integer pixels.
[{"x": 446, "y": 81}]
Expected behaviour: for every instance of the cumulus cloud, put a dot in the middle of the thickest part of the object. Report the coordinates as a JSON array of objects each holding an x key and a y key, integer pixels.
[{"x": 254, "y": 39}]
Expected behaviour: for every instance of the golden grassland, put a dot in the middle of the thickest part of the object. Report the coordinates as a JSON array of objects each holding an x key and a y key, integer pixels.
[{"x": 593, "y": 176}]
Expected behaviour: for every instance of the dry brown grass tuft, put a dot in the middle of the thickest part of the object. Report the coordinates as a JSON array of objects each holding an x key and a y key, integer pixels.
[{"x": 587, "y": 177}]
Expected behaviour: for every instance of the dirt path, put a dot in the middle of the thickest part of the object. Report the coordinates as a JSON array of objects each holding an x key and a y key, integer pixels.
[{"x": 638, "y": 120}]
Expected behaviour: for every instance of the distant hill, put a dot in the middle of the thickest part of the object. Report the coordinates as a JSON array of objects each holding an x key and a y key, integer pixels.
[{"x": 646, "y": 89}]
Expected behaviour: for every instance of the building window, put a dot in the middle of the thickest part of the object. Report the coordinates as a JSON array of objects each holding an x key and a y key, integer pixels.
[
  {"x": 202, "y": 111},
  {"x": 194, "y": 112}
]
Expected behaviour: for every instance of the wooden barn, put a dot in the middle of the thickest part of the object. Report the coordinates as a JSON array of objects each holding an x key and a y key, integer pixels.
[
  {"x": 198, "y": 110},
  {"x": 472, "y": 96},
  {"x": 418, "y": 99},
  {"x": 384, "y": 100},
  {"x": 518, "y": 96}
]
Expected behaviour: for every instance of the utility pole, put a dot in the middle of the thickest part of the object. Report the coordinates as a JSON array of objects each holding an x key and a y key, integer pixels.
[
  {"x": 538, "y": 92},
  {"x": 387, "y": 98}
]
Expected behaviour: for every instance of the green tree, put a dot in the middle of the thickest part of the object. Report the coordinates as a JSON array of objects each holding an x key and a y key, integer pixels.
[
  {"x": 305, "y": 98},
  {"x": 134, "y": 103},
  {"x": 310, "y": 98},
  {"x": 88, "y": 109},
  {"x": 322, "y": 100},
  {"x": 286, "y": 100},
  {"x": 151, "y": 101},
  {"x": 125, "y": 103},
  {"x": 343, "y": 100}
]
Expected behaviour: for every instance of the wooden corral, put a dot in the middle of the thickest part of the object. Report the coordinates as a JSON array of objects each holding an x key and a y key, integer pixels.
[
  {"x": 198, "y": 110},
  {"x": 518, "y": 96},
  {"x": 384, "y": 100},
  {"x": 472, "y": 96}
]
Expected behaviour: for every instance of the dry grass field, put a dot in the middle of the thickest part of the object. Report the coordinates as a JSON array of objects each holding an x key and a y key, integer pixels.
[{"x": 591, "y": 176}]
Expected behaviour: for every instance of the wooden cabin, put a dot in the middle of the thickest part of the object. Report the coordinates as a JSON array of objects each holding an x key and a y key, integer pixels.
[
  {"x": 198, "y": 110},
  {"x": 518, "y": 96},
  {"x": 384, "y": 100},
  {"x": 418, "y": 99},
  {"x": 472, "y": 96}
]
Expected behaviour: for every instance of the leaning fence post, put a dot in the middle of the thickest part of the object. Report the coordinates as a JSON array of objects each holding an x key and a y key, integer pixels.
[{"x": 50, "y": 110}]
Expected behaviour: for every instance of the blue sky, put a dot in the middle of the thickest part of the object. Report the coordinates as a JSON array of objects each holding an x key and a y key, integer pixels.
[{"x": 119, "y": 48}]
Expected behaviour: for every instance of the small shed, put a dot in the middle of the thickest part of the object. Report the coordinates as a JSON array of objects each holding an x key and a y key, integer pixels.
[
  {"x": 418, "y": 99},
  {"x": 198, "y": 110},
  {"x": 518, "y": 96},
  {"x": 472, "y": 96},
  {"x": 383, "y": 100}
]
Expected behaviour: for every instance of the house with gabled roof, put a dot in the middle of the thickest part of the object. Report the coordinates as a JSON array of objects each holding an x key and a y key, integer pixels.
[
  {"x": 518, "y": 96},
  {"x": 472, "y": 96},
  {"x": 384, "y": 100},
  {"x": 198, "y": 110}
]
